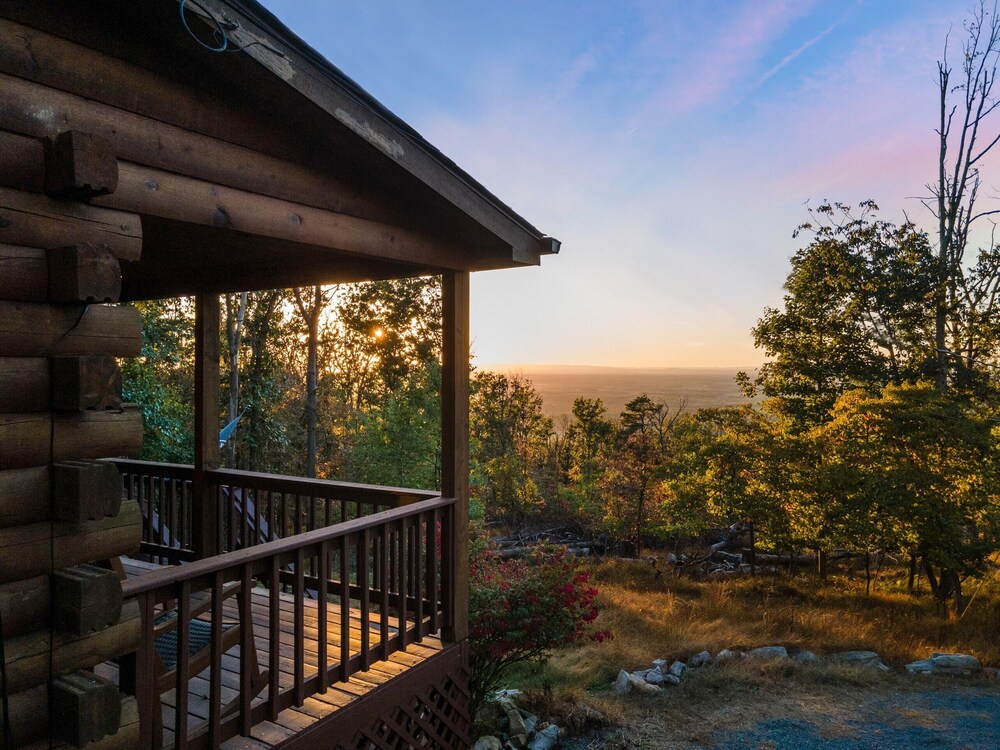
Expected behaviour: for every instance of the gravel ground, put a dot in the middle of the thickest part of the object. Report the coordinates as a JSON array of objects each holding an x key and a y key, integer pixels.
[
  {"x": 956, "y": 719},
  {"x": 939, "y": 717}
]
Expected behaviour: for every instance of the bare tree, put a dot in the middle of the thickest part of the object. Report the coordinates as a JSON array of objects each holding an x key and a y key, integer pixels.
[
  {"x": 966, "y": 105},
  {"x": 236, "y": 310},
  {"x": 312, "y": 313}
]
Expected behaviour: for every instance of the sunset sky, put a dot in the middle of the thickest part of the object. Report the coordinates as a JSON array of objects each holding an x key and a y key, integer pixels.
[{"x": 672, "y": 146}]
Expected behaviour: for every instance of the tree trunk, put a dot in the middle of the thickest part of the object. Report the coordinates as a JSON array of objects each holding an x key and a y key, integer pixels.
[
  {"x": 753, "y": 549},
  {"x": 234, "y": 336},
  {"x": 821, "y": 563},
  {"x": 913, "y": 573}
]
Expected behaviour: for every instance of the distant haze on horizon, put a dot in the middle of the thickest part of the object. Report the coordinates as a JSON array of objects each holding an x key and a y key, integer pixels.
[
  {"x": 692, "y": 388},
  {"x": 672, "y": 147}
]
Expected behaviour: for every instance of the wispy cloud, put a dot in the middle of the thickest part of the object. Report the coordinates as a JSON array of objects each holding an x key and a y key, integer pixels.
[{"x": 791, "y": 56}]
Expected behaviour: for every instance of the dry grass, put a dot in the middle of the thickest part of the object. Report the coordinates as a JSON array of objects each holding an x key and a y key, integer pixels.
[{"x": 655, "y": 617}]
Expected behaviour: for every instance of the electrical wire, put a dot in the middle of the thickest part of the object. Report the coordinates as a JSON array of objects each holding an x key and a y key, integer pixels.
[{"x": 218, "y": 34}]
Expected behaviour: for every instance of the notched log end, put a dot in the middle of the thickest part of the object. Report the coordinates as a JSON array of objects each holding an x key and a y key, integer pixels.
[{"x": 80, "y": 166}]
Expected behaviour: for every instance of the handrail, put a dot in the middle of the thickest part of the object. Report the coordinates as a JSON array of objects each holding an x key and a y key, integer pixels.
[
  {"x": 227, "y": 561},
  {"x": 321, "y": 488},
  {"x": 252, "y": 507},
  {"x": 391, "y": 573}
]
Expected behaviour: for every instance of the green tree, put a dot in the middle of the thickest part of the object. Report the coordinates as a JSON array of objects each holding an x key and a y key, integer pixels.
[
  {"x": 509, "y": 442},
  {"x": 161, "y": 380},
  {"x": 586, "y": 445},
  {"x": 921, "y": 474},
  {"x": 857, "y": 313}
]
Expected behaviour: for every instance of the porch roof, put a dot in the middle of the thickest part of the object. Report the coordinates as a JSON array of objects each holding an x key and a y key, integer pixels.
[{"x": 262, "y": 167}]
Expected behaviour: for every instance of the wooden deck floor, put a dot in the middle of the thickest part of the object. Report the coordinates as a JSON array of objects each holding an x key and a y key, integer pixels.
[{"x": 292, "y": 720}]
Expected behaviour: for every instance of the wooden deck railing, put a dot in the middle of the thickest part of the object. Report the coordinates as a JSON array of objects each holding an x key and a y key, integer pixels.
[
  {"x": 391, "y": 569},
  {"x": 253, "y": 507}
]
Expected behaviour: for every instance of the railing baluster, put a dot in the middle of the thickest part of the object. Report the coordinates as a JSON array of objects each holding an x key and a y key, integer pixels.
[
  {"x": 322, "y": 636},
  {"x": 138, "y": 675},
  {"x": 404, "y": 533},
  {"x": 215, "y": 675},
  {"x": 182, "y": 676},
  {"x": 345, "y": 608},
  {"x": 247, "y": 650},
  {"x": 364, "y": 545},
  {"x": 231, "y": 510},
  {"x": 448, "y": 566},
  {"x": 418, "y": 574},
  {"x": 274, "y": 638},
  {"x": 298, "y": 593},
  {"x": 432, "y": 551},
  {"x": 383, "y": 584}
]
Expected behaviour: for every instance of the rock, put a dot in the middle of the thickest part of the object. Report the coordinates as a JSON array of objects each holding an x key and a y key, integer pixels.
[
  {"x": 992, "y": 672},
  {"x": 671, "y": 679},
  {"x": 677, "y": 669},
  {"x": 653, "y": 677},
  {"x": 859, "y": 659},
  {"x": 727, "y": 655},
  {"x": 805, "y": 657},
  {"x": 622, "y": 684},
  {"x": 659, "y": 662},
  {"x": 530, "y": 722},
  {"x": 515, "y": 723},
  {"x": 505, "y": 695},
  {"x": 545, "y": 739},
  {"x": 641, "y": 686},
  {"x": 584, "y": 717},
  {"x": 955, "y": 663},
  {"x": 768, "y": 653},
  {"x": 924, "y": 666},
  {"x": 672, "y": 558},
  {"x": 745, "y": 569},
  {"x": 488, "y": 742},
  {"x": 700, "y": 659},
  {"x": 516, "y": 742}
]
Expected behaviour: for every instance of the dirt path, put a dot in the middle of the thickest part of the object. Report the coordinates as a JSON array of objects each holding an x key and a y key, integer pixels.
[{"x": 891, "y": 715}]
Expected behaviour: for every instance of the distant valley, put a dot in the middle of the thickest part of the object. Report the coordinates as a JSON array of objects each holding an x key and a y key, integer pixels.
[{"x": 559, "y": 385}]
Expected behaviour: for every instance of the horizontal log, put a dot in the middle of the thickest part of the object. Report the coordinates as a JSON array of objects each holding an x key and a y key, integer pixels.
[
  {"x": 22, "y": 162},
  {"x": 184, "y": 146},
  {"x": 82, "y": 383},
  {"x": 85, "y": 707},
  {"x": 29, "y": 715},
  {"x": 24, "y": 384},
  {"x": 85, "y": 490},
  {"x": 39, "y": 221},
  {"x": 83, "y": 273},
  {"x": 39, "y": 548},
  {"x": 29, "y": 657},
  {"x": 80, "y": 166},
  {"x": 38, "y": 330},
  {"x": 24, "y": 605},
  {"x": 24, "y": 274},
  {"x": 24, "y": 495},
  {"x": 97, "y": 434},
  {"x": 85, "y": 598},
  {"x": 166, "y": 195},
  {"x": 40, "y": 438},
  {"x": 25, "y": 440}
]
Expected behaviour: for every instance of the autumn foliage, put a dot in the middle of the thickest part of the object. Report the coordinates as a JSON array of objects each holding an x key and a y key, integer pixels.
[{"x": 521, "y": 609}]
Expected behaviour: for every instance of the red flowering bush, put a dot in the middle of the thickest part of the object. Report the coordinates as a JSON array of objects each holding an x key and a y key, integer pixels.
[{"x": 520, "y": 609}]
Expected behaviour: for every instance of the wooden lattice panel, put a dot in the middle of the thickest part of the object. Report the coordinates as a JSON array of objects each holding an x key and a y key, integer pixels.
[
  {"x": 437, "y": 718},
  {"x": 425, "y": 707}
]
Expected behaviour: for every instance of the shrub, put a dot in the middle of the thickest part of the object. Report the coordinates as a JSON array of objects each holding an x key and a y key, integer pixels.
[{"x": 520, "y": 609}]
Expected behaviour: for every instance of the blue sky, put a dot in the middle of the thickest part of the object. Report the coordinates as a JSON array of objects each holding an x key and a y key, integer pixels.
[{"x": 672, "y": 146}]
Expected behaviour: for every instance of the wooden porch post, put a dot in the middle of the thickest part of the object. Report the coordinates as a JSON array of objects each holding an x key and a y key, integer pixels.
[
  {"x": 207, "y": 318},
  {"x": 455, "y": 436}
]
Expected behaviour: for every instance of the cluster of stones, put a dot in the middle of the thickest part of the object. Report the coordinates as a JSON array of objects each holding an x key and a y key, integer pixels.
[
  {"x": 662, "y": 674},
  {"x": 524, "y": 731}
]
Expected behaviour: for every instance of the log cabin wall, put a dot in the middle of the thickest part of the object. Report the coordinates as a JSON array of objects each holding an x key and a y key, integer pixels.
[{"x": 61, "y": 407}]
